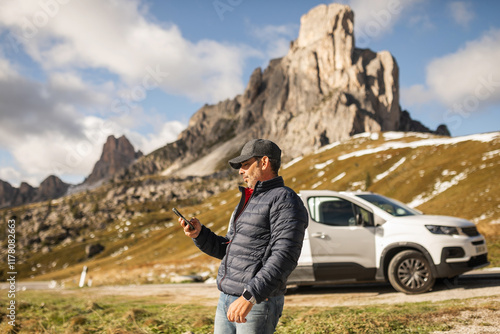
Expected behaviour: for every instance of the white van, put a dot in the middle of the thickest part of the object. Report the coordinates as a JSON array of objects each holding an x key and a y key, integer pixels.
[{"x": 363, "y": 236}]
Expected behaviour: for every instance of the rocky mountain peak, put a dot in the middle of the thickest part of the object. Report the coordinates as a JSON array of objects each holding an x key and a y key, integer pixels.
[
  {"x": 117, "y": 154},
  {"x": 7, "y": 192},
  {"x": 331, "y": 23},
  {"x": 324, "y": 90},
  {"x": 50, "y": 188}
]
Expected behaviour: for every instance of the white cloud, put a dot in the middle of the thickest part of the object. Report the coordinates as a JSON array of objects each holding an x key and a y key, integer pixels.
[
  {"x": 12, "y": 175},
  {"x": 465, "y": 82},
  {"x": 6, "y": 69},
  {"x": 276, "y": 38},
  {"x": 46, "y": 131},
  {"x": 73, "y": 90},
  {"x": 53, "y": 154},
  {"x": 469, "y": 75},
  {"x": 60, "y": 154},
  {"x": 74, "y": 157},
  {"x": 415, "y": 95},
  {"x": 116, "y": 36},
  {"x": 167, "y": 134},
  {"x": 43, "y": 124},
  {"x": 30, "y": 108},
  {"x": 374, "y": 18},
  {"x": 461, "y": 12}
]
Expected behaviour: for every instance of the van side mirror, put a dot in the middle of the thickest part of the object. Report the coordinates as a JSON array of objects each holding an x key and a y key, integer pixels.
[{"x": 359, "y": 219}]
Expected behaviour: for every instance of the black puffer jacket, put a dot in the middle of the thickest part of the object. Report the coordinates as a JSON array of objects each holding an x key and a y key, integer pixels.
[{"x": 263, "y": 243}]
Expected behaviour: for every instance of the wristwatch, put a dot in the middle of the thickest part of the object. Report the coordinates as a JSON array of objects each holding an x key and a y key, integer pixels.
[{"x": 248, "y": 296}]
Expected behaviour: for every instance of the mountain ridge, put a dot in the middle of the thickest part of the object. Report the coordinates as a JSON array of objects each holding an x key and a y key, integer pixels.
[
  {"x": 50, "y": 188},
  {"x": 325, "y": 89},
  {"x": 133, "y": 223},
  {"x": 117, "y": 154}
]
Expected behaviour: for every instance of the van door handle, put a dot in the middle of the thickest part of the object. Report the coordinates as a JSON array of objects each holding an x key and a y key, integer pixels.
[{"x": 320, "y": 235}]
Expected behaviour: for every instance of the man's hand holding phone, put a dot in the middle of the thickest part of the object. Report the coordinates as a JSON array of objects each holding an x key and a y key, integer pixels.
[{"x": 192, "y": 228}]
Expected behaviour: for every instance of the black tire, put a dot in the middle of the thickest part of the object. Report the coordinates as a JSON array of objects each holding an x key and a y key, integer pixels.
[{"x": 410, "y": 272}]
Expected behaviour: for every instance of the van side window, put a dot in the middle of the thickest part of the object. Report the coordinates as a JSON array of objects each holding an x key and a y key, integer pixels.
[{"x": 336, "y": 211}]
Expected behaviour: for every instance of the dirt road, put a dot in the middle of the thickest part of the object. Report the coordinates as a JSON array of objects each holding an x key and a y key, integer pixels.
[{"x": 474, "y": 284}]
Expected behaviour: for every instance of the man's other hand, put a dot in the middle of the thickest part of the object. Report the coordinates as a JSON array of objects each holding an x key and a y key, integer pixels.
[{"x": 239, "y": 310}]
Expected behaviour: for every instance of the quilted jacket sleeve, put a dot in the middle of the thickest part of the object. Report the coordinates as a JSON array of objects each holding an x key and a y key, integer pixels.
[{"x": 211, "y": 243}]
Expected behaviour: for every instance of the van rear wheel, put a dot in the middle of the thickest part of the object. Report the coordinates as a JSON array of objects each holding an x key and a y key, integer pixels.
[{"x": 410, "y": 272}]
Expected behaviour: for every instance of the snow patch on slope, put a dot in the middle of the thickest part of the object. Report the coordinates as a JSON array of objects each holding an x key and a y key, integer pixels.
[
  {"x": 390, "y": 170},
  {"x": 484, "y": 137},
  {"x": 439, "y": 187}
]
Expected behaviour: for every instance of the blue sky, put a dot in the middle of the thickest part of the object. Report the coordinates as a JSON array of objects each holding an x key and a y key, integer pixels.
[{"x": 73, "y": 72}]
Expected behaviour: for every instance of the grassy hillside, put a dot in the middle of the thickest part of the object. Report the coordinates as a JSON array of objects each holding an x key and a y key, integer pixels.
[{"x": 438, "y": 175}]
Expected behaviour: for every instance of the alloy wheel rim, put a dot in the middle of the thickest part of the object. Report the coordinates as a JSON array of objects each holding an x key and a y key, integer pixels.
[{"x": 413, "y": 273}]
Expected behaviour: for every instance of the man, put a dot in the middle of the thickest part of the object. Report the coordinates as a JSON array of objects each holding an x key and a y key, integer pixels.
[{"x": 262, "y": 245}]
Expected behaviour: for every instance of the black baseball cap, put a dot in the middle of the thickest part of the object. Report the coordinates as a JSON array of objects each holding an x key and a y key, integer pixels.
[{"x": 256, "y": 148}]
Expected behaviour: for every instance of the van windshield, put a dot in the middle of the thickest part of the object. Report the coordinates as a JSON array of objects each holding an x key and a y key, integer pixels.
[{"x": 391, "y": 206}]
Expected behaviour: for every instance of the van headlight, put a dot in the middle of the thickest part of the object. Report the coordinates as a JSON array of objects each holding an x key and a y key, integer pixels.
[{"x": 437, "y": 229}]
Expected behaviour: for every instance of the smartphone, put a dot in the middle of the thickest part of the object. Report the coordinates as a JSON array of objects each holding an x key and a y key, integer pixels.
[{"x": 191, "y": 227}]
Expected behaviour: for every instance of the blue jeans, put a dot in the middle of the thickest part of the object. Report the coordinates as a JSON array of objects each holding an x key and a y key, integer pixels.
[{"x": 263, "y": 317}]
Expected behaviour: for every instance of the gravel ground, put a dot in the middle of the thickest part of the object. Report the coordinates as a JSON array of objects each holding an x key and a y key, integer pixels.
[
  {"x": 475, "y": 322},
  {"x": 482, "y": 286}
]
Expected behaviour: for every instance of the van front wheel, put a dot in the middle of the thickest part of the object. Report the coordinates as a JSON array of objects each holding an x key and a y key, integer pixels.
[{"x": 410, "y": 272}]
